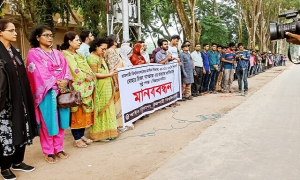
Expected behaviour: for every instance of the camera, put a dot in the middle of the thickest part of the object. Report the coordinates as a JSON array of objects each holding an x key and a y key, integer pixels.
[{"x": 277, "y": 31}]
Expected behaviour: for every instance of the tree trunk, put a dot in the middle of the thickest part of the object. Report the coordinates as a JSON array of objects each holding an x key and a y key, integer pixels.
[
  {"x": 240, "y": 18},
  {"x": 191, "y": 28},
  {"x": 216, "y": 9},
  {"x": 72, "y": 13},
  {"x": 251, "y": 11}
]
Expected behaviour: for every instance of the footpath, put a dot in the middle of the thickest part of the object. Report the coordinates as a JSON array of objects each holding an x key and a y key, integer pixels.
[{"x": 258, "y": 140}]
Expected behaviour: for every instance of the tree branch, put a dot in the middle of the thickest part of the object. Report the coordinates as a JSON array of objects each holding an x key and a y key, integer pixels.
[
  {"x": 164, "y": 25},
  {"x": 72, "y": 13}
]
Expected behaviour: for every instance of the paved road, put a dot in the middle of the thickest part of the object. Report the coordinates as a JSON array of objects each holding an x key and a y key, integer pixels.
[{"x": 258, "y": 140}]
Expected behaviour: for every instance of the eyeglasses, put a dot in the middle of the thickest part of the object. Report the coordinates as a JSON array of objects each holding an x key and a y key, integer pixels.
[
  {"x": 48, "y": 35},
  {"x": 103, "y": 49},
  {"x": 11, "y": 30}
]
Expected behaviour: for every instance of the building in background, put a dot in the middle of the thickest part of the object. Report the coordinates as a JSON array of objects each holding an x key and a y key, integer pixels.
[{"x": 22, "y": 42}]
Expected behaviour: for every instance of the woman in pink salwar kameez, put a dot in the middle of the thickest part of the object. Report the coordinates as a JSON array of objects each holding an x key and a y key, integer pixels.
[{"x": 48, "y": 75}]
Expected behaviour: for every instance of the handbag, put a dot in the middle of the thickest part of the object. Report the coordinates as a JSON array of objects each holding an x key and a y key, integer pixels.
[{"x": 69, "y": 99}]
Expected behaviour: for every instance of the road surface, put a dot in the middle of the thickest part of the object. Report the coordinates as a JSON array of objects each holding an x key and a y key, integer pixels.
[{"x": 258, "y": 140}]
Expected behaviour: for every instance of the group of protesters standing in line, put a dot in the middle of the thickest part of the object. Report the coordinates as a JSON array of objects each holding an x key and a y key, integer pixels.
[
  {"x": 88, "y": 65},
  {"x": 214, "y": 68},
  {"x": 29, "y": 91}
]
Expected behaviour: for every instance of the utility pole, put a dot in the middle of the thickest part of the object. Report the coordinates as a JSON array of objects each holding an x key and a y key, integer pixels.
[
  {"x": 125, "y": 18},
  {"x": 139, "y": 20},
  {"x": 123, "y": 14}
]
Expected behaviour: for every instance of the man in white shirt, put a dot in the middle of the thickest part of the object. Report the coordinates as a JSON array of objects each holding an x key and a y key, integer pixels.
[
  {"x": 173, "y": 46},
  {"x": 198, "y": 64},
  {"x": 86, "y": 38}
]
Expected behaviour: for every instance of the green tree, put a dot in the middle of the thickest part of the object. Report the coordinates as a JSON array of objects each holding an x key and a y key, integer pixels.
[
  {"x": 36, "y": 12},
  {"x": 93, "y": 13},
  {"x": 213, "y": 31},
  {"x": 158, "y": 16}
]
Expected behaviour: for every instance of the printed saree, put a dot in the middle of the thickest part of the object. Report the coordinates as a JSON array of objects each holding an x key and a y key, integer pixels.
[
  {"x": 81, "y": 116},
  {"x": 114, "y": 61},
  {"x": 105, "y": 122}
]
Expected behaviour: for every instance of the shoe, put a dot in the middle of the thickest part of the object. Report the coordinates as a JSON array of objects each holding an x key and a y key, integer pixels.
[
  {"x": 240, "y": 91},
  {"x": 210, "y": 92},
  {"x": 246, "y": 93},
  {"x": 214, "y": 92},
  {"x": 8, "y": 175},
  {"x": 23, "y": 167}
]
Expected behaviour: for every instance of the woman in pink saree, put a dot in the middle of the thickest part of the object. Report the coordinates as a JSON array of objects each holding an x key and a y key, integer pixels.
[{"x": 48, "y": 74}]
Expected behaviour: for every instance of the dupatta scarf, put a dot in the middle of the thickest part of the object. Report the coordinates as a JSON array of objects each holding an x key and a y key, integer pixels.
[
  {"x": 79, "y": 68},
  {"x": 44, "y": 70},
  {"x": 124, "y": 51},
  {"x": 137, "y": 58}
]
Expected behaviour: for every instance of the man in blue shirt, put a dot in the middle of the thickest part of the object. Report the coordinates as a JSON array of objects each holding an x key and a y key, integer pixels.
[
  {"x": 214, "y": 62},
  {"x": 206, "y": 69},
  {"x": 228, "y": 58},
  {"x": 86, "y": 38},
  {"x": 242, "y": 67}
]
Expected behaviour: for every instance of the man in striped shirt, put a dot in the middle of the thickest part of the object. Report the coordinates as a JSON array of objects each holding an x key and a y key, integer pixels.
[{"x": 228, "y": 58}]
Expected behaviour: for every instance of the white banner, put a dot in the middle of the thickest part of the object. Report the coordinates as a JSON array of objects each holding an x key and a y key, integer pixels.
[{"x": 147, "y": 88}]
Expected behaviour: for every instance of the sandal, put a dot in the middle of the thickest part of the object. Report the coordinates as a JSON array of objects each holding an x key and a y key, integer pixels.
[
  {"x": 190, "y": 98},
  {"x": 86, "y": 140},
  {"x": 103, "y": 140},
  {"x": 80, "y": 144},
  {"x": 62, "y": 155},
  {"x": 51, "y": 159}
]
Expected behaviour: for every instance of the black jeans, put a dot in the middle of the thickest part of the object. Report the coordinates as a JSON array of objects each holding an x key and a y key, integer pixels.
[
  {"x": 16, "y": 158},
  {"x": 78, "y": 133},
  {"x": 197, "y": 80},
  {"x": 205, "y": 82}
]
